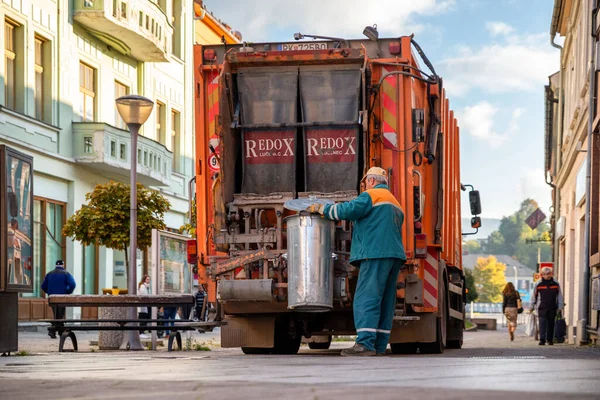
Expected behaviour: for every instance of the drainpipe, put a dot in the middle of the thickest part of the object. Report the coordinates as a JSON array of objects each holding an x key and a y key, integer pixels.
[
  {"x": 554, "y": 24},
  {"x": 584, "y": 286}
]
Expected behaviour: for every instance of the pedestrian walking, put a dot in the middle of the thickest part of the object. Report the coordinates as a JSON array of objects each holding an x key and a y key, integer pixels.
[
  {"x": 144, "y": 312},
  {"x": 510, "y": 308},
  {"x": 547, "y": 300},
  {"x": 378, "y": 252},
  {"x": 169, "y": 317},
  {"x": 58, "y": 281}
]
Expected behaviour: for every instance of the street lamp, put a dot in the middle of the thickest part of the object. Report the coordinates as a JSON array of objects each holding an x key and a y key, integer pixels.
[
  {"x": 134, "y": 110},
  {"x": 516, "y": 279}
]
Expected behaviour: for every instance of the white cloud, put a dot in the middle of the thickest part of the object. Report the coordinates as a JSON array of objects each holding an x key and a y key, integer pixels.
[
  {"x": 480, "y": 119},
  {"x": 513, "y": 63},
  {"x": 499, "y": 28},
  {"x": 347, "y": 18}
]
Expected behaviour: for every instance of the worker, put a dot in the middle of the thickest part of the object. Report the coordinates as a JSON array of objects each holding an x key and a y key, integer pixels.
[
  {"x": 378, "y": 252},
  {"x": 547, "y": 300}
]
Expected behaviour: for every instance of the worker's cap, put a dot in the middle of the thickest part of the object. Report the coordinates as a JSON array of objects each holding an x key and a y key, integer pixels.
[
  {"x": 375, "y": 171},
  {"x": 60, "y": 263}
]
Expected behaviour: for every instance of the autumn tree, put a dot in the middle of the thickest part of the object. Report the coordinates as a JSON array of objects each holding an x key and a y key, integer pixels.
[
  {"x": 489, "y": 279},
  {"x": 104, "y": 219}
]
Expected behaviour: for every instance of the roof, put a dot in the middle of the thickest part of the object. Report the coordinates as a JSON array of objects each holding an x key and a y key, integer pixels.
[
  {"x": 470, "y": 260},
  {"x": 215, "y": 24}
]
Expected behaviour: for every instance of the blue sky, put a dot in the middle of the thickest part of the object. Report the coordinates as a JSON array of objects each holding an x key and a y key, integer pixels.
[{"x": 495, "y": 58}]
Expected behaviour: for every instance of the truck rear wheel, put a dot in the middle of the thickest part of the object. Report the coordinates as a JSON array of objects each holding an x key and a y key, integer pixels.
[
  {"x": 438, "y": 346},
  {"x": 404, "y": 348},
  {"x": 454, "y": 344}
]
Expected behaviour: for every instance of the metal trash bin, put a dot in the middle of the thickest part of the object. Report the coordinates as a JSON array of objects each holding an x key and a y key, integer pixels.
[
  {"x": 310, "y": 263},
  {"x": 111, "y": 340}
]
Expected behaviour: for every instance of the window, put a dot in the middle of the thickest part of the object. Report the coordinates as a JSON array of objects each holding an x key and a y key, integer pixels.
[
  {"x": 176, "y": 22},
  {"x": 87, "y": 93},
  {"x": 120, "y": 90},
  {"x": 174, "y": 144},
  {"x": 139, "y": 157},
  {"x": 145, "y": 158},
  {"x": 123, "y": 152},
  {"x": 90, "y": 269},
  {"x": 113, "y": 148},
  {"x": 160, "y": 123},
  {"x": 124, "y": 10},
  {"x": 10, "y": 58},
  {"x": 88, "y": 146},
  {"x": 88, "y": 3},
  {"x": 115, "y": 8},
  {"x": 141, "y": 21},
  {"x": 147, "y": 22},
  {"x": 38, "y": 92},
  {"x": 49, "y": 244}
]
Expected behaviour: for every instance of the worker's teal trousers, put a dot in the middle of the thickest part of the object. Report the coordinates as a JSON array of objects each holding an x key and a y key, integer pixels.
[{"x": 375, "y": 301}]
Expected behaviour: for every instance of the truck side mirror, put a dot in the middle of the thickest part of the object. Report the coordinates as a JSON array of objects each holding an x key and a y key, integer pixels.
[
  {"x": 13, "y": 203},
  {"x": 476, "y": 222},
  {"x": 475, "y": 202}
]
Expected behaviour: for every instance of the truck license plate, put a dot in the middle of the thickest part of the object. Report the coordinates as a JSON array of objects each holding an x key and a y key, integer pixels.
[{"x": 302, "y": 46}]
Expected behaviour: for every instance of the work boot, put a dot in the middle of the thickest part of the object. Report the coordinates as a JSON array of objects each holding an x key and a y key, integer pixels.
[
  {"x": 550, "y": 343},
  {"x": 357, "y": 350},
  {"x": 542, "y": 342}
]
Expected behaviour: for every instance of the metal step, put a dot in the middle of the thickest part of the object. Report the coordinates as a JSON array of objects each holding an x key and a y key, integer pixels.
[
  {"x": 455, "y": 289},
  {"x": 455, "y": 314}
]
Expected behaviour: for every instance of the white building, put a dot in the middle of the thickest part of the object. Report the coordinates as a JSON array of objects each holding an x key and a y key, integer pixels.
[{"x": 65, "y": 63}]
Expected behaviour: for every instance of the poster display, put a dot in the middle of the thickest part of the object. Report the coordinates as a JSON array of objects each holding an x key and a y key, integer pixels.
[
  {"x": 16, "y": 182},
  {"x": 173, "y": 273}
]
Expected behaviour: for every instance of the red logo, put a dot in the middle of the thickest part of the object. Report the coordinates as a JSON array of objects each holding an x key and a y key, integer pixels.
[
  {"x": 269, "y": 147},
  {"x": 331, "y": 145}
]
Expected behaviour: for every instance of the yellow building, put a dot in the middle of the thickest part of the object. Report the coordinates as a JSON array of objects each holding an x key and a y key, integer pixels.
[{"x": 210, "y": 30}]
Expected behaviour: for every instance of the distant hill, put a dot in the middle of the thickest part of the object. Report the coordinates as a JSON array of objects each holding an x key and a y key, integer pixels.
[{"x": 488, "y": 225}]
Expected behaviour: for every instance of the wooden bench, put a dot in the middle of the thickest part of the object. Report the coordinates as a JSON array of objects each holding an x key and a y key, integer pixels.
[{"x": 67, "y": 327}]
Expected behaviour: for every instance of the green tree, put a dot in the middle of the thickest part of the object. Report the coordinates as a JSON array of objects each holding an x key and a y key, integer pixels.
[
  {"x": 104, "y": 219},
  {"x": 489, "y": 279},
  {"x": 472, "y": 246},
  {"x": 470, "y": 285}
]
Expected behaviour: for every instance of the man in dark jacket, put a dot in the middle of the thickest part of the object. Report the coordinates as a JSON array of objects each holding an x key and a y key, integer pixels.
[
  {"x": 200, "y": 307},
  {"x": 378, "y": 251},
  {"x": 59, "y": 281},
  {"x": 547, "y": 299}
]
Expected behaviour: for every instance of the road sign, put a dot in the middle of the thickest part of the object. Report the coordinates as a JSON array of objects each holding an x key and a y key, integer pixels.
[
  {"x": 213, "y": 163},
  {"x": 546, "y": 265},
  {"x": 535, "y": 218}
]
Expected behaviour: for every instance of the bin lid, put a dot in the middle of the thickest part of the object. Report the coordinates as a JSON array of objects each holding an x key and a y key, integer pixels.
[{"x": 302, "y": 204}]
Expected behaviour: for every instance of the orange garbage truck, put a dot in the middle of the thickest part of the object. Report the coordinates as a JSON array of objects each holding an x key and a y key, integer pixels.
[{"x": 280, "y": 125}]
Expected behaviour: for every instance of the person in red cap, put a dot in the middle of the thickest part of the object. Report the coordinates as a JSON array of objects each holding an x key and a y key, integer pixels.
[{"x": 378, "y": 252}]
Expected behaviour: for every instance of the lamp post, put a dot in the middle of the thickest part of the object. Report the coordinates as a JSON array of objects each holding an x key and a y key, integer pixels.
[
  {"x": 134, "y": 110},
  {"x": 516, "y": 279}
]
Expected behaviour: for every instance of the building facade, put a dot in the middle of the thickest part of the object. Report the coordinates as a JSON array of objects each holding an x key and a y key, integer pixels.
[
  {"x": 66, "y": 61},
  {"x": 568, "y": 122}
]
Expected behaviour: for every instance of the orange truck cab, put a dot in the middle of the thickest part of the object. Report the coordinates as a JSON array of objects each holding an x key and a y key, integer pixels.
[{"x": 283, "y": 121}]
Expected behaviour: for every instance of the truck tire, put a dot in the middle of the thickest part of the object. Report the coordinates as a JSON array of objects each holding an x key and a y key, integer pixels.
[
  {"x": 438, "y": 346},
  {"x": 287, "y": 344},
  {"x": 454, "y": 344},
  {"x": 256, "y": 350},
  {"x": 320, "y": 345},
  {"x": 404, "y": 348}
]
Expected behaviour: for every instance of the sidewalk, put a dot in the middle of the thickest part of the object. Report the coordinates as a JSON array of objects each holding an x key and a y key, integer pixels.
[{"x": 41, "y": 343}]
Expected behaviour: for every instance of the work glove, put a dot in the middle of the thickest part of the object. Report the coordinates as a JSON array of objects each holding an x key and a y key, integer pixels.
[{"x": 316, "y": 208}]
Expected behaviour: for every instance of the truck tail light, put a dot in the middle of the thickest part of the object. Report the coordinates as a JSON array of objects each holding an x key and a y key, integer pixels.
[
  {"x": 192, "y": 251},
  {"x": 421, "y": 245},
  {"x": 209, "y": 55},
  {"x": 394, "y": 48}
]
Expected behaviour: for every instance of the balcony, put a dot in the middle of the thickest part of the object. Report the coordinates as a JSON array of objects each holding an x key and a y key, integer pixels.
[
  {"x": 106, "y": 150},
  {"x": 137, "y": 28}
]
